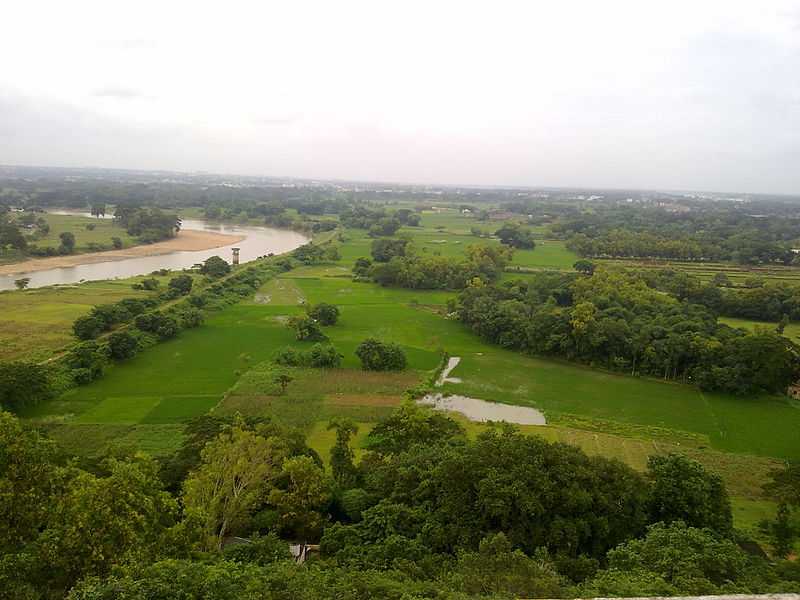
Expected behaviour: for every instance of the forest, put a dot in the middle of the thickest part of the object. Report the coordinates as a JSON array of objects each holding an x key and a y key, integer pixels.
[
  {"x": 615, "y": 320},
  {"x": 427, "y": 512}
]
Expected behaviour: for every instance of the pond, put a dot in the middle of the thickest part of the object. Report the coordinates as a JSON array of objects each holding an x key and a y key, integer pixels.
[
  {"x": 258, "y": 241},
  {"x": 483, "y": 411}
]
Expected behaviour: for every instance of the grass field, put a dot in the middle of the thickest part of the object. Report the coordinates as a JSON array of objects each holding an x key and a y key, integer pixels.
[
  {"x": 37, "y": 323},
  {"x": 706, "y": 270},
  {"x": 103, "y": 231}
]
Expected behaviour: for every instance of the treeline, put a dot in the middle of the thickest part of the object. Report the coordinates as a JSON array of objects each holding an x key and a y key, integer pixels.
[
  {"x": 428, "y": 512},
  {"x": 707, "y": 233},
  {"x": 397, "y": 263},
  {"x": 758, "y": 299},
  {"x": 615, "y": 320}
]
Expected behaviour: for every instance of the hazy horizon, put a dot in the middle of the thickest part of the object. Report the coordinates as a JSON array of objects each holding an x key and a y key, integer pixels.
[{"x": 623, "y": 95}]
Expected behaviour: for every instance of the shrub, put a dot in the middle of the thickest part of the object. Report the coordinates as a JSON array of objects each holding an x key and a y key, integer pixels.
[
  {"x": 215, "y": 267},
  {"x": 163, "y": 326},
  {"x": 122, "y": 345},
  {"x": 87, "y": 327},
  {"x": 379, "y": 356},
  {"x": 307, "y": 329},
  {"x": 324, "y": 313},
  {"x": 181, "y": 284}
]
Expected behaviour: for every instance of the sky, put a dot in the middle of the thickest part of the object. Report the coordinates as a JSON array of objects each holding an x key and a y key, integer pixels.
[{"x": 701, "y": 95}]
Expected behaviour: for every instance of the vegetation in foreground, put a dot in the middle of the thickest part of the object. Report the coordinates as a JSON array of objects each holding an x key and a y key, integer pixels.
[{"x": 426, "y": 512}]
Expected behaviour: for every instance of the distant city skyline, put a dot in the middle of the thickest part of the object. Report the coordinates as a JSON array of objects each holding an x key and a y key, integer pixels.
[{"x": 680, "y": 96}]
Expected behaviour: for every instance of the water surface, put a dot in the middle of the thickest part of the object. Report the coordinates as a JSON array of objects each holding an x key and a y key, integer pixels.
[{"x": 259, "y": 241}]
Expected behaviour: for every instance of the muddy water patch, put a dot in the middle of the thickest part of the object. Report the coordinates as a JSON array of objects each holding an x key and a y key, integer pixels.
[
  {"x": 452, "y": 363},
  {"x": 482, "y": 411}
]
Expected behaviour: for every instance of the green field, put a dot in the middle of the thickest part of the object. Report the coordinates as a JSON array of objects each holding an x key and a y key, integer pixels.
[
  {"x": 207, "y": 361},
  {"x": 792, "y": 330},
  {"x": 37, "y": 323},
  {"x": 104, "y": 230}
]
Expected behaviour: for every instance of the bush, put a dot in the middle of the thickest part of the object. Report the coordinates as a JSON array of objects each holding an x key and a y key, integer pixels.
[
  {"x": 324, "y": 313},
  {"x": 122, "y": 345},
  {"x": 307, "y": 329},
  {"x": 379, "y": 356},
  {"x": 319, "y": 356},
  {"x": 262, "y": 550},
  {"x": 117, "y": 243},
  {"x": 215, "y": 267},
  {"x": 149, "y": 284},
  {"x": 191, "y": 318},
  {"x": 362, "y": 267},
  {"x": 87, "y": 361},
  {"x": 23, "y": 384},
  {"x": 181, "y": 284},
  {"x": 163, "y": 326},
  {"x": 87, "y": 327}
]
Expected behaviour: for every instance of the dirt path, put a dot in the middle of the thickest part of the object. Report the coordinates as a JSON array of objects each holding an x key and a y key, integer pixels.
[{"x": 187, "y": 240}]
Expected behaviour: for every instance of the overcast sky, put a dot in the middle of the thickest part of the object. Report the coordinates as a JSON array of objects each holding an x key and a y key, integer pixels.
[{"x": 681, "y": 95}]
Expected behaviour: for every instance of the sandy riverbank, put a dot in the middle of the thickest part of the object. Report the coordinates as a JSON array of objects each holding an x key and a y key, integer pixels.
[{"x": 186, "y": 241}]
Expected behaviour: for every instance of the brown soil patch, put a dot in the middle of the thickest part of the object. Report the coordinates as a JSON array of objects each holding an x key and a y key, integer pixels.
[
  {"x": 186, "y": 241},
  {"x": 361, "y": 400}
]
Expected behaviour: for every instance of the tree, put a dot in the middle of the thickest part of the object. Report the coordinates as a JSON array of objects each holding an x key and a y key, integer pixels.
[
  {"x": 497, "y": 568},
  {"x": 721, "y": 280},
  {"x": 342, "y": 456},
  {"x": 362, "y": 267},
  {"x": 28, "y": 481},
  {"x": 301, "y": 503},
  {"x": 380, "y": 356},
  {"x": 98, "y": 210},
  {"x": 307, "y": 329},
  {"x": 681, "y": 554},
  {"x": 584, "y": 266},
  {"x": 101, "y": 521},
  {"x": 324, "y": 313},
  {"x": 237, "y": 470},
  {"x": 23, "y": 384},
  {"x": 215, "y": 267},
  {"x": 87, "y": 327},
  {"x": 122, "y": 345},
  {"x": 684, "y": 491},
  {"x": 182, "y": 284},
  {"x": 282, "y": 379},
  {"x": 512, "y": 234},
  {"x": 67, "y": 242},
  {"x": 385, "y": 249},
  {"x": 22, "y": 283}
]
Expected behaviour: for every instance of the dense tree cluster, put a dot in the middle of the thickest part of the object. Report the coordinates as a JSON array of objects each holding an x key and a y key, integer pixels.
[
  {"x": 516, "y": 236},
  {"x": 147, "y": 224},
  {"x": 614, "y": 319},
  {"x": 376, "y": 355},
  {"x": 426, "y": 513},
  {"x": 439, "y": 272},
  {"x": 707, "y": 233}
]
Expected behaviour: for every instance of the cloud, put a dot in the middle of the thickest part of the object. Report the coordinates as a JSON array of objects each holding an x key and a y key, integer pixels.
[{"x": 121, "y": 93}]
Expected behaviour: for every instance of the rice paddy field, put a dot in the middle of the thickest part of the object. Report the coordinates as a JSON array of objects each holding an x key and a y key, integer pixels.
[
  {"x": 37, "y": 323},
  {"x": 224, "y": 368}
]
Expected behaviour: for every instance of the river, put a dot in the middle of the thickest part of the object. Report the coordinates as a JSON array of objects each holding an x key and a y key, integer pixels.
[{"x": 258, "y": 241}]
